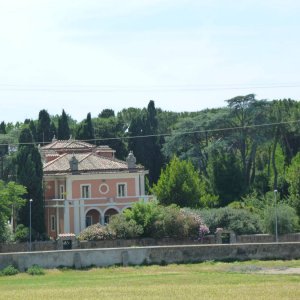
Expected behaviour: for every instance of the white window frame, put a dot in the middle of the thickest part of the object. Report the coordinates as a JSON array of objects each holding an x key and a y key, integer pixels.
[
  {"x": 125, "y": 189},
  {"x": 82, "y": 193},
  {"x": 61, "y": 191},
  {"x": 52, "y": 222}
]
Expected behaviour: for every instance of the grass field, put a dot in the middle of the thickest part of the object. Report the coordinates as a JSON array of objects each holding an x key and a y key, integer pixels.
[{"x": 210, "y": 280}]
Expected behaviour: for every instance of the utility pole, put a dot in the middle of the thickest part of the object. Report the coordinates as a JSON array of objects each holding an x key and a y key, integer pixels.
[
  {"x": 276, "y": 217},
  {"x": 30, "y": 201}
]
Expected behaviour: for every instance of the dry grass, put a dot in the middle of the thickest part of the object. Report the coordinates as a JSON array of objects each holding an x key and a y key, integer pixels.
[{"x": 195, "y": 281}]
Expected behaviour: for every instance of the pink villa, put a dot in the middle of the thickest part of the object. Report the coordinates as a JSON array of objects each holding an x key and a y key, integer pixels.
[{"x": 85, "y": 184}]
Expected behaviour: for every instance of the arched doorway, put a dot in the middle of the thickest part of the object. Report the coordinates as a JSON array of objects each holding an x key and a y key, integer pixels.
[
  {"x": 92, "y": 217},
  {"x": 126, "y": 208},
  {"x": 110, "y": 212}
]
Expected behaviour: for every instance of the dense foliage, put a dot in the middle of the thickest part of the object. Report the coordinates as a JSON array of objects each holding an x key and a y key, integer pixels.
[
  {"x": 4, "y": 230},
  {"x": 180, "y": 184},
  {"x": 63, "y": 129},
  {"x": 148, "y": 220},
  {"x": 159, "y": 221},
  {"x": 35, "y": 270},
  {"x": 146, "y": 143},
  {"x": 21, "y": 233},
  {"x": 30, "y": 174},
  {"x": 11, "y": 202},
  {"x": 9, "y": 271},
  {"x": 124, "y": 228},
  {"x": 248, "y": 147},
  {"x": 287, "y": 219},
  {"x": 241, "y": 221}
]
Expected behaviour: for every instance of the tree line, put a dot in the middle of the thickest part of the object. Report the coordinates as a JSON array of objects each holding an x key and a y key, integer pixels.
[{"x": 244, "y": 150}]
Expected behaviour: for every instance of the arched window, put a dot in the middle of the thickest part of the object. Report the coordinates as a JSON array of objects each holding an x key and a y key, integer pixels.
[{"x": 92, "y": 217}]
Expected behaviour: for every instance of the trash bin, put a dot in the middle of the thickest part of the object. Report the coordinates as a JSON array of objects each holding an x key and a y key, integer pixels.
[{"x": 67, "y": 244}]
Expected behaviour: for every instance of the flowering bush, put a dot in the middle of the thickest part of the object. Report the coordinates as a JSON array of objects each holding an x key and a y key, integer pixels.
[
  {"x": 149, "y": 220},
  {"x": 171, "y": 222},
  {"x": 96, "y": 232},
  {"x": 203, "y": 230}
]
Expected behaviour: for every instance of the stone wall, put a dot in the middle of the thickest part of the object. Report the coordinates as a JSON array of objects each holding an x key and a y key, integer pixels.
[
  {"x": 143, "y": 242},
  {"x": 58, "y": 245},
  {"x": 267, "y": 238},
  {"x": 23, "y": 247},
  {"x": 150, "y": 255},
  {"x": 211, "y": 239}
]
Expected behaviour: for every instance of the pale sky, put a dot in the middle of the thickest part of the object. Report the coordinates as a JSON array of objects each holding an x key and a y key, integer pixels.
[{"x": 87, "y": 55}]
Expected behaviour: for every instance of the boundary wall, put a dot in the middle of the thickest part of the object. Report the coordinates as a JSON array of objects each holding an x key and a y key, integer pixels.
[
  {"x": 118, "y": 243},
  {"x": 150, "y": 255}
]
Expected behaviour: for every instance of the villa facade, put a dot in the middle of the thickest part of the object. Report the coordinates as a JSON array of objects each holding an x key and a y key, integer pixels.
[{"x": 85, "y": 185}]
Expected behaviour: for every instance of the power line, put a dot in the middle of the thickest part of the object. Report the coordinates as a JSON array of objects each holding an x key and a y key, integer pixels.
[
  {"x": 169, "y": 134},
  {"x": 153, "y": 88}
]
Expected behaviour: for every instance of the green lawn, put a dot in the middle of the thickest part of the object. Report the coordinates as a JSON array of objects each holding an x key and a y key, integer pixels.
[{"x": 210, "y": 280}]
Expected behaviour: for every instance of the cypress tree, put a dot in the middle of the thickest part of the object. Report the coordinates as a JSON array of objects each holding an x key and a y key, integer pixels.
[
  {"x": 44, "y": 134},
  {"x": 3, "y": 149},
  {"x": 53, "y": 130},
  {"x": 137, "y": 128},
  {"x": 30, "y": 174},
  {"x": 85, "y": 131},
  {"x": 63, "y": 130},
  {"x": 3, "y": 128},
  {"x": 153, "y": 144},
  {"x": 148, "y": 149},
  {"x": 32, "y": 128},
  {"x": 89, "y": 127}
]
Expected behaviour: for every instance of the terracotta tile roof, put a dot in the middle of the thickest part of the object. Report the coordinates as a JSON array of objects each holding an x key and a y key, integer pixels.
[
  {"x": 68, "y": 145},
  {"x": 104, "y": 147},
  {"x": 87, "y": 163},
  {"x": 53, "y": 154}
]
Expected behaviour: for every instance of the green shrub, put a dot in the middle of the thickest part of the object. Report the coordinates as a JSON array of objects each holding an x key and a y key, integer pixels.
[
  {"x": 35, "y": 270},
  {"x": 145, "y": 215},
  {"x": 96, "y": 232},
  {"x": 159, "y": 221},
  {"x": 241, "y": 221},
  {"x": 21, "y": 233},
  {"x": 287, "y": 219},
  {"x": 125, "y": 229},
  {"x": 10, "y": 271}
]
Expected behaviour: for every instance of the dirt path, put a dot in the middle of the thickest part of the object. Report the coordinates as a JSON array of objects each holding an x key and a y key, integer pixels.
[{"x": 280, "y": 271}]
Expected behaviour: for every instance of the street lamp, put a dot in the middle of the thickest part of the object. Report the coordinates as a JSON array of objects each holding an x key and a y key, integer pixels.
[
  {"x": 30, "y": 201},
  {"x": 276, "y": 217}
]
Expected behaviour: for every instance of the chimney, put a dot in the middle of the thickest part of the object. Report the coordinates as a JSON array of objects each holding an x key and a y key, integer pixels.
[
  {"x": 131, "y": 160},
  {"x": 74, "y": 164}
]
